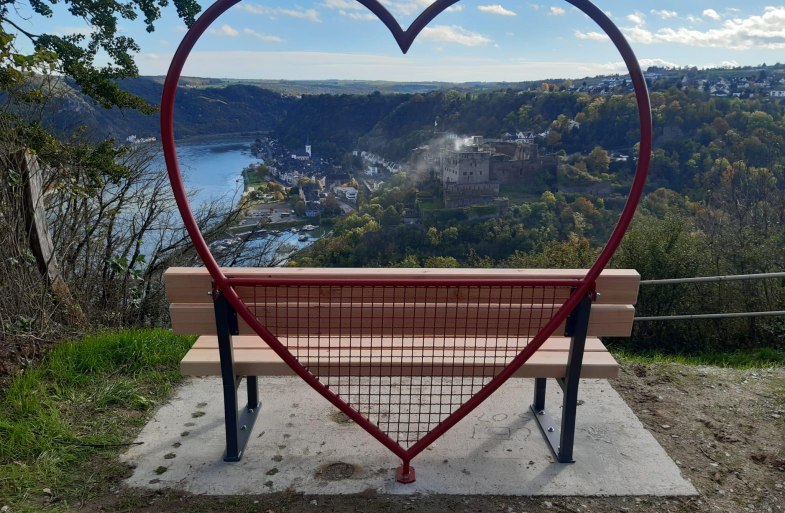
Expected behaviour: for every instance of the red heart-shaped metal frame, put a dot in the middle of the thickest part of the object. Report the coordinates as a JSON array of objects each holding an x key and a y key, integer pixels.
[{"x": 404, "y": 38}]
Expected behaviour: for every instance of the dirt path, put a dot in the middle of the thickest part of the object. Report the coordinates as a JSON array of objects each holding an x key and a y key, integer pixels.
[{"x": 724, "y": 428}]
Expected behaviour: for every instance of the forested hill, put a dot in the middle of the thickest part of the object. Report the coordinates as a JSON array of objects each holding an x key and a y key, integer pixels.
[
  {"x": 694, "y": 122},
  {"x": 212, "y": 106},
  {"x": 198, "y": 111}
]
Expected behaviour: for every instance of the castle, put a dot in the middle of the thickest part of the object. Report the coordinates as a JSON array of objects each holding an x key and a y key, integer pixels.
[{"x": 472, "y": 170}]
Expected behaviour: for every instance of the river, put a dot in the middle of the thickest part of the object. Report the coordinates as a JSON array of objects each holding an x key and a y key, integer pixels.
[{"x": 212, "y": 169}]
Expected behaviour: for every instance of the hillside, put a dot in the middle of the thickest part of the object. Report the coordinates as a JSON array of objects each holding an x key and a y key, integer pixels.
[
  {"x": 208, "y": 106},
  {"x": 232, "y": 108}
]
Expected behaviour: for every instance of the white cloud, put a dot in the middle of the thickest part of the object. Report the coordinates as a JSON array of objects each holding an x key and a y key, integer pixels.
[
  {"x": 723, "y": 64},
  {"x": 639, "y": 35},
  {"x": 664, "y": 14},
  {"x": 712, "y": 14},
  {"x": 496, "y": 9},
  {"x": 349, "y": 9},
  {"x": 557, "y": 11},
  {"x": 256, "y": 9},
  {"x": 263, "y": 37},
  {"x": 343, "y": 4},
  {"x": 592, "y": 36},
  {"x": 406, "y": 7},
  {"x": 754, "y": 32},
  {"x": 225, "y": 30},
  {"x": 660, "y": 63},
  {"x": 365, "y": 16},
  {"x": 305, "y": 14},
  {"x": 453, "y": 34},
  {"x": 620, "y": 67},
  {"x": 637, "y": 18}
]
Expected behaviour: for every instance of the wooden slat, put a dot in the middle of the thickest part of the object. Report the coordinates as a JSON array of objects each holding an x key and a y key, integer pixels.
[
  {"x": 593, "y": 344},
  {"x": 605, "y": 320},
  {"x": 462, "y": 294},
  {"x": 264, "y": 362},
  {"x": 191, "y": 284}
]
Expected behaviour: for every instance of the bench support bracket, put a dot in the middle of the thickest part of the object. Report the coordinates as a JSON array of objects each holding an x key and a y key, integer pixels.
[
  {"x": 405, "y": 473},
  {"x": 562, "y": 439},
  {"x": 238, "y": 423}
]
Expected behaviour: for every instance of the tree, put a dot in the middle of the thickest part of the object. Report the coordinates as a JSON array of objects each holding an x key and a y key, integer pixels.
[
  {"x": 391, "y": 217},
  {"x": 663, "y": 249},
  {"x": 441, "y": 262},
  {"x": 112, "y": 236},
  {"x": 576, "y": 252},
  {"x": 598, "y": 161},
  {"x": 74, "y": 55},
  {"x": 330, "y": 206}
]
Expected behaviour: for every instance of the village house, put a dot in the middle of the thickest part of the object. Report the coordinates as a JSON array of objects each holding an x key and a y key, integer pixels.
[{"x": 350, "y": 193}]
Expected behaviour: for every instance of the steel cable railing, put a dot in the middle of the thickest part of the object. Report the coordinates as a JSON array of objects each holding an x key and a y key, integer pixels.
[{"x": 712, "y": 279}]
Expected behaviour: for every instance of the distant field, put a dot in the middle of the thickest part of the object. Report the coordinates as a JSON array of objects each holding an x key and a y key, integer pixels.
[{"x": 296, "y": 87}]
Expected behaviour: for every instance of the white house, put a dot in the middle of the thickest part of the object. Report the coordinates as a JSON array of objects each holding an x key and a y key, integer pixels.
[{"x": 350, "y": 193}]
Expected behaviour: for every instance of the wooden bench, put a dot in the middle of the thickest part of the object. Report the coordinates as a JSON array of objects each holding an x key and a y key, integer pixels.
[{"x": 420, "y": 326}]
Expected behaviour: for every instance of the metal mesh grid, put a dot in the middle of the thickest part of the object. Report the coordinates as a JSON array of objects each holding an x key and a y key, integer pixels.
[{"x": 404, "y": 357}]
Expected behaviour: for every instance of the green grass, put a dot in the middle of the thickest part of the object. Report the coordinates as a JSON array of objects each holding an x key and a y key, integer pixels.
[
  {"x": 430, "y": 205},
  {"x": 63, "y": 421},
  {"x": 753, "y": 359}
]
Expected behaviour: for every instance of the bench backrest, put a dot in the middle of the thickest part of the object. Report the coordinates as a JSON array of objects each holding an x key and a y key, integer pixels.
[{"x": 469, "y": 308}]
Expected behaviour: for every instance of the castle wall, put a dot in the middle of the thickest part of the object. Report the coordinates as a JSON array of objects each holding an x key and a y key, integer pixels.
[
  {"x": 461, "y": 195},
  {"x": 523, "y": 171},
  {"x": 466, "y": 167}
]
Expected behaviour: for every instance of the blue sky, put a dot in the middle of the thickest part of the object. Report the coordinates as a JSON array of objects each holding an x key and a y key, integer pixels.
[{"x": 496, "y": 40}]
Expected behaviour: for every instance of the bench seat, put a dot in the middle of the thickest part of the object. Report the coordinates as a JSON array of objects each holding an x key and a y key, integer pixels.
[
  {"x": 252, "y": 357},
  {"x": 384, "y": 328}
]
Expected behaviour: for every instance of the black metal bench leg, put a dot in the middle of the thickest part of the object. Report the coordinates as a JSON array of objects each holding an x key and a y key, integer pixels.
[
  {"x": 561, "y": 440},
  {"x": 546, "y": 424},
  {"x": 539, "y": 394},
  {"x": 252, "y": 383},
  {"x": 238, "y": 424}
]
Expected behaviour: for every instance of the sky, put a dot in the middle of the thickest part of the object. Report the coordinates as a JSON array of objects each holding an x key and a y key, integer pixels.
[{"x": 474, "y": 40}]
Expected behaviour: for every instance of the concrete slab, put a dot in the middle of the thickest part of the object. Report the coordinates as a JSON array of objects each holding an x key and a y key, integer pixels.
[{"x": 301, "y": 443}]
